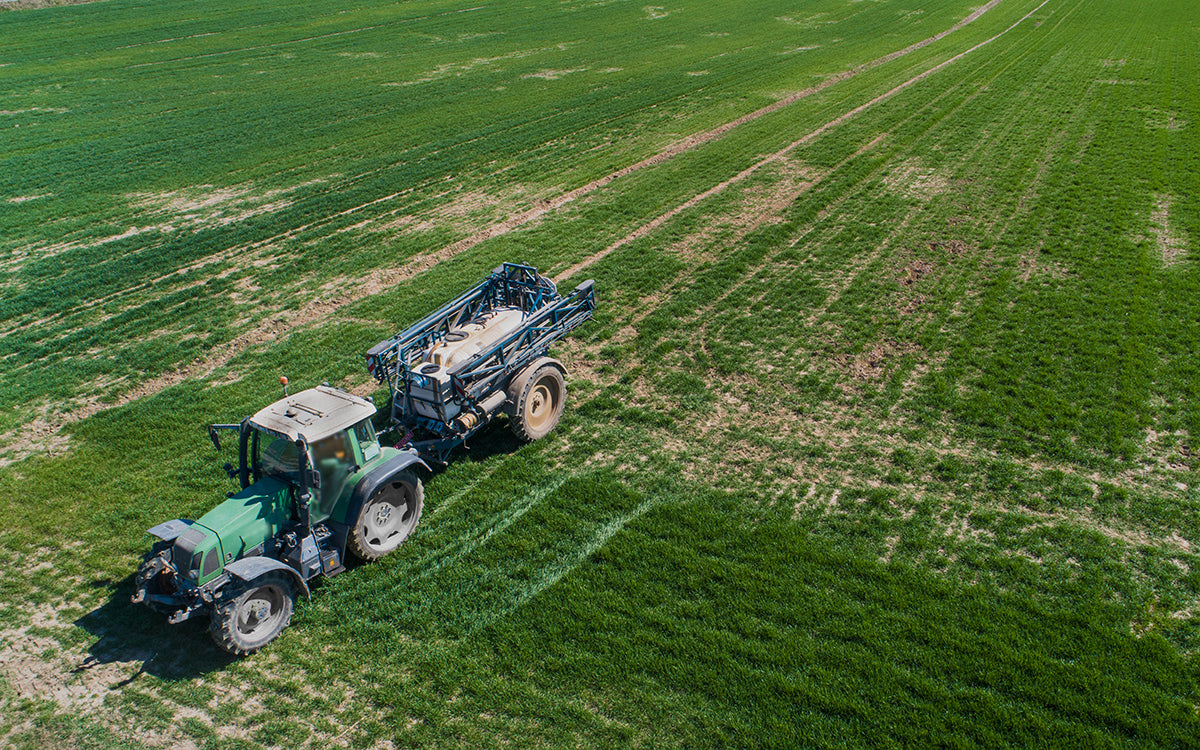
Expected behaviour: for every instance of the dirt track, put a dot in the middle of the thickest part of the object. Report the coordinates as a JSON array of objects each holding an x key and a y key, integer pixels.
[{"x": 43, "y": 433}]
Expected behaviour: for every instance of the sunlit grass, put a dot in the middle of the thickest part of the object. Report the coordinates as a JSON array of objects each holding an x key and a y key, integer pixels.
[{"x": 910, "y": 462}]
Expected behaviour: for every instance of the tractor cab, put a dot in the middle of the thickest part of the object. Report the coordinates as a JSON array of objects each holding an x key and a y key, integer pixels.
[
  {"x": 327, "y": 430},
  {"x": 335, "y": 429}
]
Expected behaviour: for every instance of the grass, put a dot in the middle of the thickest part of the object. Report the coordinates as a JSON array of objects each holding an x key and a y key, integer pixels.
[
  {"x": 889, "y": 441},
  {"x": 137, "y": 189}
]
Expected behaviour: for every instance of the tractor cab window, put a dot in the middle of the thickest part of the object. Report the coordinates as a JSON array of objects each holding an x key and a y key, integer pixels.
[
  {"x": 334, "y": 459},
  {"x": 368, "y": 443},
  {"x": 280, "y": 459}
]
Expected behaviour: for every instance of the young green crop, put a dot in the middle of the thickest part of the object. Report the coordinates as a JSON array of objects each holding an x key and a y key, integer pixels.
[{"x": 888, "y": 441}]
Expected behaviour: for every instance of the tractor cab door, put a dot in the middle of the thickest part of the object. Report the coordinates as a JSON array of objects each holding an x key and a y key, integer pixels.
[
  {"x": 368, "y": 441},
  {"x": 334, "y": 458}
]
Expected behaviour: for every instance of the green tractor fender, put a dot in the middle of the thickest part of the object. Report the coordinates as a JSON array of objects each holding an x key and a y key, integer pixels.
[{"x": 248, "y": 569}]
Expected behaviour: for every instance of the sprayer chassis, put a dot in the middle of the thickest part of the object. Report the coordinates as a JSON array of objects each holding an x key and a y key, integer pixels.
[{"x": 478, "y": 355}]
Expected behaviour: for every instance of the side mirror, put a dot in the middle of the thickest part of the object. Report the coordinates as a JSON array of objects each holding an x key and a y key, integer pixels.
[
  {"x": 216, "y": 441},
  {"x": 313, "y": 479}
]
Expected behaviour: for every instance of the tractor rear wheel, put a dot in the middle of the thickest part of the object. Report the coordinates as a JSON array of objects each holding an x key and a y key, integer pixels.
[
  {"x": 388, "y": 518},
  {"x": 254, "y": 614},
  {"x": 536, "y": 402}
]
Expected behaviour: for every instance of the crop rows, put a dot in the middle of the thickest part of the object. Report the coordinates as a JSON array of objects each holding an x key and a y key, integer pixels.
[
  {"x": 889, "y": 440},
  {"x": 181, "y": 156}
]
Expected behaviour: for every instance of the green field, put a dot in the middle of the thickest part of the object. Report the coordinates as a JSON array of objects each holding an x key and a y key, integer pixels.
[{"x": 885, "y": 432}]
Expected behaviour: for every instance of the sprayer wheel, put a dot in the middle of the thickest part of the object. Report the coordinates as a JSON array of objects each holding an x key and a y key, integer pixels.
[{"x": 537, "y": 402}]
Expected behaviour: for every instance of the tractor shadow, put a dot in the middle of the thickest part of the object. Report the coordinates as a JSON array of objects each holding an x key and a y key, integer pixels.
[
  {"x": 493, "y": 440},
  {"x": 131, "y": 633}
]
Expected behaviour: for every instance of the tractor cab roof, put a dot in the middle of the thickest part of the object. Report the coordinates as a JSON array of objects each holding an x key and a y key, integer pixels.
[{"x": 313, "y": 414}]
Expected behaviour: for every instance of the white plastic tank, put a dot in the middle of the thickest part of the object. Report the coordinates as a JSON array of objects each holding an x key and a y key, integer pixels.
[
  {"x": 461, "y": 344},
  {"x": 476, "y": 335}
]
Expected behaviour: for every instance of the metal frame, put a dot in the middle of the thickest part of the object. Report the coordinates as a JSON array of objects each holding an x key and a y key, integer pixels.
[{"x": 395, "y": 362}]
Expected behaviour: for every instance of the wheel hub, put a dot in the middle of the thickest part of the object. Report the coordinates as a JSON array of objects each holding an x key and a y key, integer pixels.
[
  {"x": 538, "y": 400},
  {"x": 257, "y": 612},
  {"x": 260, "y": 610}
]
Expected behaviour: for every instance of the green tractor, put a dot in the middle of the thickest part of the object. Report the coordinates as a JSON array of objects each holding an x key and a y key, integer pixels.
[{"x": 316, "y": 484}]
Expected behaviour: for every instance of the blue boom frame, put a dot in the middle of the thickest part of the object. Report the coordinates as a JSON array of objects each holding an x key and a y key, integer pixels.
[{"x": 396, "y": 361}]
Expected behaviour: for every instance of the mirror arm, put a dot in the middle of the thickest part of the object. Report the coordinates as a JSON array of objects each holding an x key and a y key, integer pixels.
[{"x": 214, "y": 437}]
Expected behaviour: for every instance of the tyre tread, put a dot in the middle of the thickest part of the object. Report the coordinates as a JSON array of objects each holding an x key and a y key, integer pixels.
[
  {"x": 222, "y": 626},
  {"x": 519, "y": 391}
]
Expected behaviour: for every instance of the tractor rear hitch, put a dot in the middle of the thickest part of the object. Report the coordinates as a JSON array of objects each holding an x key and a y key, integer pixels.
[{"x": 186, "y": 613}]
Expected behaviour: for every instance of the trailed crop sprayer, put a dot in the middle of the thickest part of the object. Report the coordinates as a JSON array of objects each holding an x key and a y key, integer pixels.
[{"x": 478, "y": 355}]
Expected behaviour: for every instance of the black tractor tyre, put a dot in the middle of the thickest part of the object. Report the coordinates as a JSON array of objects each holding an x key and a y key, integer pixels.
[
  {"x": 535, "y": 402},
  {"x": 388, "y": 517},
  {"x": 254, "y": 613}
]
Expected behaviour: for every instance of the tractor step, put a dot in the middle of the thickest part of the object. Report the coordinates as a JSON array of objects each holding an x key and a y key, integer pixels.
[{"x": 331, "y": 562}]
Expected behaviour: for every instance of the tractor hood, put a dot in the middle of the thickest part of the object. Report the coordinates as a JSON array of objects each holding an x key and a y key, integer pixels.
[{"x": 250, "y": 517}]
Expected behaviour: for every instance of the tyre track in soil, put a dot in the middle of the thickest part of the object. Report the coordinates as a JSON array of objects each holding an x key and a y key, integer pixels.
[
  {"x": 43, "y": 432},
  {"x": 550, "y": 574},
  {"x": 778, "y": 205},
  {"x": 779, "y": 155}
]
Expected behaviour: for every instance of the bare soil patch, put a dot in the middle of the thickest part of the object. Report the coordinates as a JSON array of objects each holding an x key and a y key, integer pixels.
[
  {"x": 553, "y": 75},
  {"x": 41, "y": 435},
  {"x": 1164, "y": 119},
  {"x": 22, "y": 255},
  {"x": 758, "y": 205},
  {"x": 875, "y": 362},
  {"x": 1033, "y": 266},
  {"x": 464, "y": 212},
  {"x": 1172, "y": 245},
  {"x": 67, "y": 678},
  {"x": 914, "y": 180},
  {"x": 915, "y": 271},
  {"x": 202, "y": 206},
  {"x": 459, "y": 68},
  {"x": 193, "y": 208}
]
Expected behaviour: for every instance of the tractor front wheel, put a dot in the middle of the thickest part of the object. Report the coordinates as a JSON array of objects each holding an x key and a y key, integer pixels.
[
  {"x": 254, "y": 614},
  {"x": 388, "y": 517}
]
